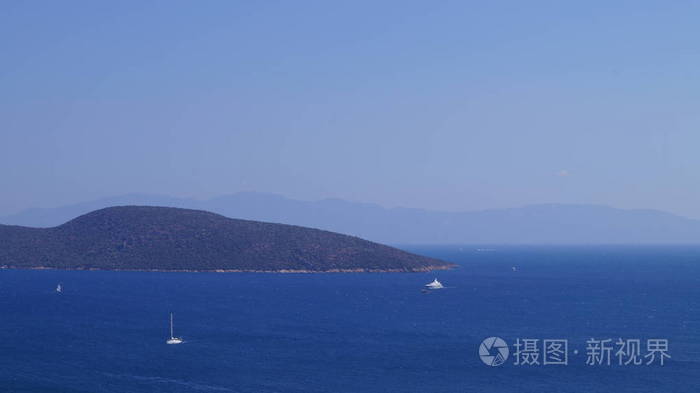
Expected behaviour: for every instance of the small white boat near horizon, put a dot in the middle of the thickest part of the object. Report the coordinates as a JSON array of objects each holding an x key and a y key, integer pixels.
[
  {"x": 435, "y": 284},
  {"x": 59, "y": 288},
  {"x": 173, "y": 339}
]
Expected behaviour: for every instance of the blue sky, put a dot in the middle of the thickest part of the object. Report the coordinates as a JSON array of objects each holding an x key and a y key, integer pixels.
[{"x": 443, "y": 105}]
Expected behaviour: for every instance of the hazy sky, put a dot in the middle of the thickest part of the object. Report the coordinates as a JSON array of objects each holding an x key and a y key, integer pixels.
[{"x": 443, "y": 105}]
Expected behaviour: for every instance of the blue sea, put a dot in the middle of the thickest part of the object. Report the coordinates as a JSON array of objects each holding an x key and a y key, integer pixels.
[{"x": 367, "y": 332}]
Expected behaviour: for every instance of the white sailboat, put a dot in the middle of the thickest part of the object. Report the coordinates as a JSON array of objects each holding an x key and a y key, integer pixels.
[
  {"x": 434, "y": 285},
  {"x": 173, "y": 339},
  {"x": 59, "y": 288}
]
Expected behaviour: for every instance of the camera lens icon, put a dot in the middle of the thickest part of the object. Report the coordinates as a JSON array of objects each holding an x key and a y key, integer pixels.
[{"x": 493, "y": 351}]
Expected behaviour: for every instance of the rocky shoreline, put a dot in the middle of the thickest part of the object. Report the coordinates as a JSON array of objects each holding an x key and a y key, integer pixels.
[{"x": 282, "y": 271}]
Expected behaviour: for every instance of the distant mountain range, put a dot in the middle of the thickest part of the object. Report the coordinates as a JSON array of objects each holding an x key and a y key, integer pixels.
[
  {"x": 534, "y": 224},
  {"x": 172, "y": 239}
]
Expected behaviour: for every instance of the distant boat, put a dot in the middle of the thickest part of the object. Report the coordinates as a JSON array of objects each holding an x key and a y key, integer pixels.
[
  {"x": 59, "y": 288},
  {"x": 173, "y": 339},
  {"x": 434, "y": 285}
]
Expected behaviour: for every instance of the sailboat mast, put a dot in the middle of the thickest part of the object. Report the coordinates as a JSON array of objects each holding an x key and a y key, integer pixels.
[{"x": 171, "y": 325}]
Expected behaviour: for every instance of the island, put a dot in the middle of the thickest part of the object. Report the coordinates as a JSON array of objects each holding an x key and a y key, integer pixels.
[{"x": 152, "y": 238}]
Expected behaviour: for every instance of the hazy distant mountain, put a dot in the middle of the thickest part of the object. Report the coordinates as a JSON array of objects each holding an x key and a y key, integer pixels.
[
  {"x": 51, "y": 217},
  {"x": 165, "y": 238},
  {"x": 552, "y": 223}
]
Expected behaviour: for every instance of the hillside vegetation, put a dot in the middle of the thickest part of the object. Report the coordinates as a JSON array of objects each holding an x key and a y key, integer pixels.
[{"x": 163, "y": 238}]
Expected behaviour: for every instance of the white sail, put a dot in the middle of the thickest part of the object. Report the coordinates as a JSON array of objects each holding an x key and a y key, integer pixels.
[{"x": 173, "y": 339}]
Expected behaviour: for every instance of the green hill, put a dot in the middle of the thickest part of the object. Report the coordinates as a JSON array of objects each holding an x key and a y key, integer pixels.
[{"x": 171, "y": 239}]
